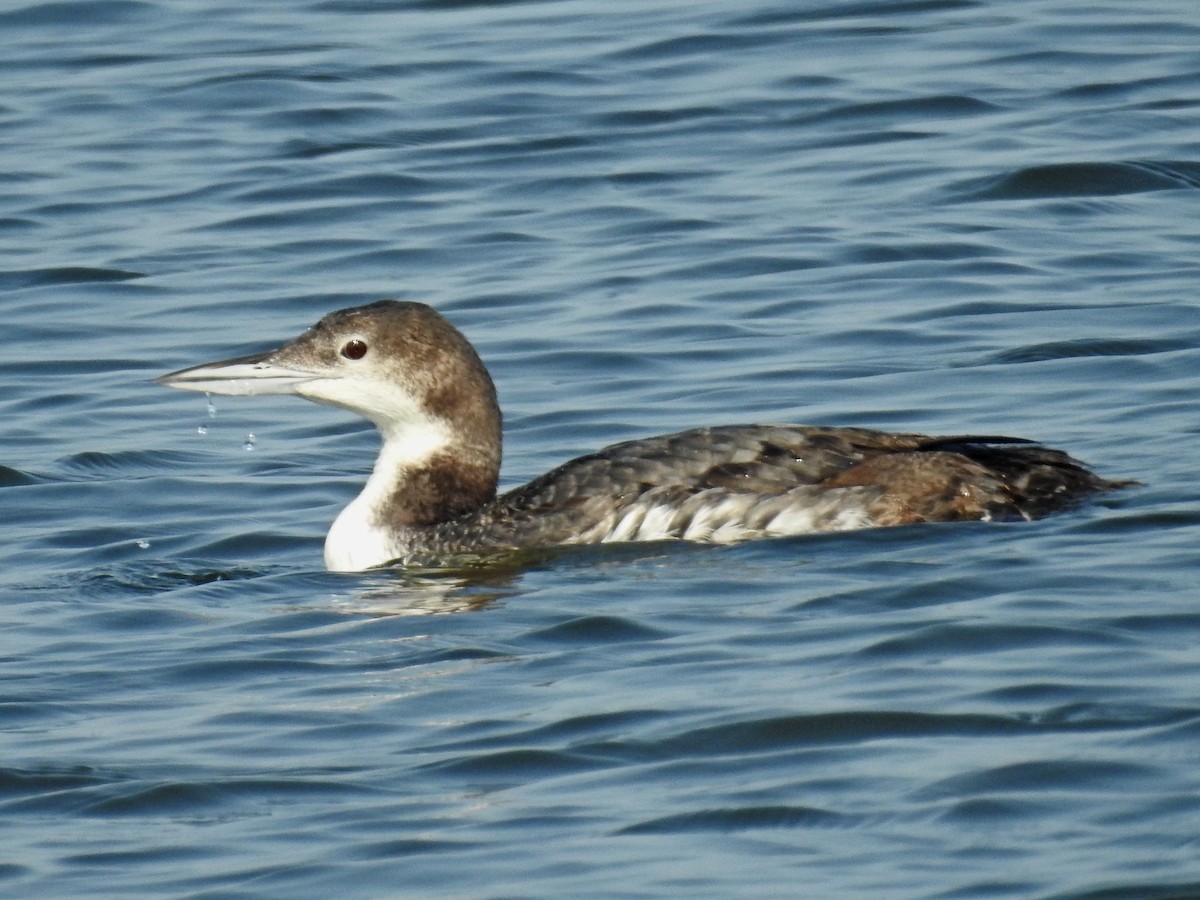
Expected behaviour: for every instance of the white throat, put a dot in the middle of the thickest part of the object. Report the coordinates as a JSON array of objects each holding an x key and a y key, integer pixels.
[{"x": 359, "y": 537}]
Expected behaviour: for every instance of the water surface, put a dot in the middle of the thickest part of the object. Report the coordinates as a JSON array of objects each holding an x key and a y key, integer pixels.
[{"x": 933, "y": 216}]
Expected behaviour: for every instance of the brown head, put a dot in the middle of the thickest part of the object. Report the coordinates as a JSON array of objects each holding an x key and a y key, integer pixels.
[{"x": 399, "y": 364}]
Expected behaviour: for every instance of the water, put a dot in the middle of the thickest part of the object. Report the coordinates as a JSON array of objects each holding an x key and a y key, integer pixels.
[{"x": 937, "y": 216}]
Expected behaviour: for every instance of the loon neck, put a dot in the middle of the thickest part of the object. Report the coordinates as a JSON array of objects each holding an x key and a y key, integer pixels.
[
  {"x": 421, "y": 481},
  {"x": 421, "y": 477}
]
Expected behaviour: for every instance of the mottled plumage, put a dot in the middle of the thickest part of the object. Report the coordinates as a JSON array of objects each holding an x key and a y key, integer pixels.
[
  {"x": 734, "y": 483},
  {"x": 432, "y": 494}
]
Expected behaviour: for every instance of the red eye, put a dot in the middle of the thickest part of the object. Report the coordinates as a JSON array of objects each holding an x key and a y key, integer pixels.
[{"x": 355, "y": 349}]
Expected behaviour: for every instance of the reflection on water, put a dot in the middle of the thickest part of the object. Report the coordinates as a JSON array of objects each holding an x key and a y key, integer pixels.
[{"x": 410, "y": 593}]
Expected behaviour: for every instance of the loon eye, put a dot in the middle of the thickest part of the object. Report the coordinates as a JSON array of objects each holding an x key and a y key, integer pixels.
[{"x": 355, "y": 349}]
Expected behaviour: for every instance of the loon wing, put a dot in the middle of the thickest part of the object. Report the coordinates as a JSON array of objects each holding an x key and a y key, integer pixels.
[{"x": 736, "y": 482}]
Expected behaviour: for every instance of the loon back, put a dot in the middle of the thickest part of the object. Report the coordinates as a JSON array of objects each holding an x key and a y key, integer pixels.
[
  {"x": 741, "y": 482},
  {"x": 432, "y": 493}
]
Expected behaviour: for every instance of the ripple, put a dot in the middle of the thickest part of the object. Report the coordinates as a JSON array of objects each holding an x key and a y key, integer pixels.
[
  {"x": 13, "y": 477},
  {"x": 597, "y": 629},
  {"x": 1041, "y": 776},
  {"x": 995, "y": 811},
  {"x": 934, "y": 640},
  {"x": 171, "y": 799},
  {"x": 127, "y": 463},
  {"x": 1082, "y": 347},
  {"x": 1098, "y": 179},
  {"x": 12, "y": 280},
  {"x": 515, "y": 766},
  {"x": 743, "y": 819},
  {"x": 400, "y": 848},
  {"x": 381, "y": 184},
  {"x": 901, "y": 111},
  {"x": 1136, "y": 889},
  {"x": 117, "y": 12},
  {"x": 18, "y": 782},
  {"x": 790, "y": 732},
  {"x": 153, "y": 578}
]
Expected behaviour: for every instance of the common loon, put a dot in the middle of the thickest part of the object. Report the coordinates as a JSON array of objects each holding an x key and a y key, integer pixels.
[{"x": 432, "y": 494}]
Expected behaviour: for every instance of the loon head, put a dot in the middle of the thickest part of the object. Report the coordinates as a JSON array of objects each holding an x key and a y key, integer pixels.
[
  {"x": 399, "y": 364},
  {"x": 414, "y": 375}
]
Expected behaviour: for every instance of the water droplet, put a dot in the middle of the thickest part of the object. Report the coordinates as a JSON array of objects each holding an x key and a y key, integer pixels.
[
  {"x": 250, "y": 441},
  {"x": 143, "y": 544},
  {"x": 203, "y": 429},
  {"x": 212, "y": 409}
]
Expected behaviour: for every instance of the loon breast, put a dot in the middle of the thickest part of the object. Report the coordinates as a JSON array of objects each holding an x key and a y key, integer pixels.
[{"x": 432, "y": 493}]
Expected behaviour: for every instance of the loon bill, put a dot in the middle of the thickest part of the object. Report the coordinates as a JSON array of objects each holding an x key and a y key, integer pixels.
[{"x": 432, "y": 494}]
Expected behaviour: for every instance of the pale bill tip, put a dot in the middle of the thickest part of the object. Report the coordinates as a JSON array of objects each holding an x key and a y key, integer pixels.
[{"x": 236, "y": 379}]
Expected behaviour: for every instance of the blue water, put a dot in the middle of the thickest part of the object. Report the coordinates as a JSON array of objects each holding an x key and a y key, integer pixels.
[{"x": 945, "y": 216}]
